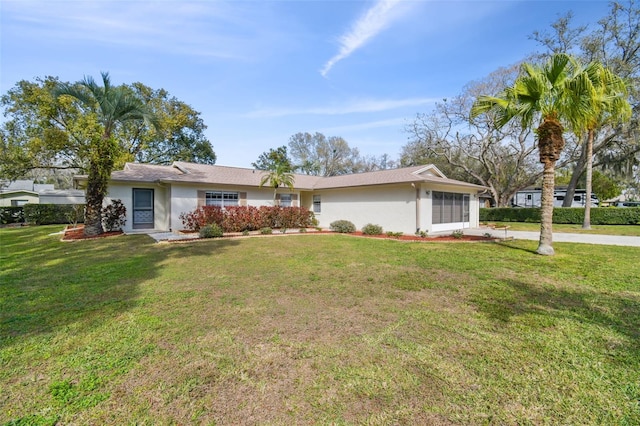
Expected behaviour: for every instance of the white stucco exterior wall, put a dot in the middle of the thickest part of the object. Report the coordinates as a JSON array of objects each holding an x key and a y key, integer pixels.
[
  {"x": 391, "y": 206},
  {"x": 161, "y": 203},
  {"x": 398, "y": 208}
]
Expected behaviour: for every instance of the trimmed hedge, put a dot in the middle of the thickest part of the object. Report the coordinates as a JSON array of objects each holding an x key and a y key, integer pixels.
[
  {"x": 247, "y": 218},
  {"x": 48, "y": 214},
  {"x": 566, "y": 215},
  {"x": 11, "y": 214}
]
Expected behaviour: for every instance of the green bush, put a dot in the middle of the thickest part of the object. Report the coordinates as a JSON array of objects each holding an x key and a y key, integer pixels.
[
  {"x": 212, "y": 230},
  {"x": 565, "y": 215},
  {"x": 342, "y": 226},
  {"x": 266, "y": 231},
  {"x": 371, "y": 229},
  {"x": 508, "y": 214},
  {"x": 114, "y": 216},
  {"x": 11, "y": 214},
  {"x": 48, "y": 214}
]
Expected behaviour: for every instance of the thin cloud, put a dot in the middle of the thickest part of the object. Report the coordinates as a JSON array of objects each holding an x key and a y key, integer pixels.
[
  {"x": 207, "y": 29},
  {"x": 391, "y": 122},
  {"x": 376, "y": 19},
  {"x": 359, "y": 106}
]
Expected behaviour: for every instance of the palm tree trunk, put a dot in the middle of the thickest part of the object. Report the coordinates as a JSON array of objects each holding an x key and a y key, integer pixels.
[
  {"x": 100, "y": 166},
  {"x": 96, "y": 187},
  {"x": 586, "y": 224},
  {"x": 546, "y": 210}
]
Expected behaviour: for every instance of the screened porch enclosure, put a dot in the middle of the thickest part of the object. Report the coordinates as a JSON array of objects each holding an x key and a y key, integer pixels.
[{"x": 450, "y": 210}]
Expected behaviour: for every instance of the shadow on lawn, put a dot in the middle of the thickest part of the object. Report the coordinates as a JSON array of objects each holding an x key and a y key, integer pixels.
[
  {"x": 509, "y": 298},
  {"x": 46, "y": 284}
]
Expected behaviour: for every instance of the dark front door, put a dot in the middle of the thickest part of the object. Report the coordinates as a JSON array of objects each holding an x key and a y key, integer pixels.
[{"x": 142, "y": 208}]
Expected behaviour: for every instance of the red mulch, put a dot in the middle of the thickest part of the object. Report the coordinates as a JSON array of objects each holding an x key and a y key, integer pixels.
[
  {"x": 440, "y": 238},
  {"x": 77, "y": 233}
]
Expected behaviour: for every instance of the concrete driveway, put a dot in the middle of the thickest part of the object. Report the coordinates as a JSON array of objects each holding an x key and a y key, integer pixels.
[{"x": 559, "y": 237}]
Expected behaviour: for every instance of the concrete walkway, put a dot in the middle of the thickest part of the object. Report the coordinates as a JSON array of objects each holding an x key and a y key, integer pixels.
[
  {"x": 559, "y": 237},
  {"x": 170, "y": 236}
]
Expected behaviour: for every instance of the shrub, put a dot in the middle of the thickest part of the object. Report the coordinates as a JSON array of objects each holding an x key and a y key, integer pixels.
[
  {"x": 240, "y": 218},
  {"x": 247, "y": 218},
  {"x": 114, "y": 216},
  {"x": 392, "y": 234},
  {"x": 371, "y": 229},
  {"x": 11, "y": 214},
  {"x": 48, "y": 214},
  {"x": 202, "y": 216},
  {"x": 422, "y": 234},
  {"x": 76, "y": 214},
  {"x": 266, "y": 231},
  {"x": 342, "y": 226},
  {"x": 457, "y": 234},
  {"x": 296, "y": 217},
  {"x": 213, "y": 230}
]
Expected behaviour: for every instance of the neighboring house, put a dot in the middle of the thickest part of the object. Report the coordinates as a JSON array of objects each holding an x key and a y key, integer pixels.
[
  {"x": 21, "y": 192},
  {"x": 400, "y": 200},
  {"x": 62, "y": 196},
  {"x": 17, "y": 198}
]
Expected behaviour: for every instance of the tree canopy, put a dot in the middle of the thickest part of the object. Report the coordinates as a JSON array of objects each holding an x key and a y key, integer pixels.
[
  {"x": 560, "y": 92},
  {"x": 273, "y": 159},
  {"x": 613, "y": 41},
  {"x": 319, "y": 155},
  {"x": 109, "y": 107},
  {"x": 475, "y": 150},
  {"x": 42, "y": 131}
]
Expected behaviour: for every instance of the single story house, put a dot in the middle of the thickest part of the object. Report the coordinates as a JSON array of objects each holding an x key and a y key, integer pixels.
[
  {"x": 407, "y": 200},
  {"x": 20, "y": 192}
]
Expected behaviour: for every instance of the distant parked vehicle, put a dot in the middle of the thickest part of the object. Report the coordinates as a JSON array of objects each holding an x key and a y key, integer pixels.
[
  {"x": 532, "y": 198},
  {"x": 627, "y": 204}
]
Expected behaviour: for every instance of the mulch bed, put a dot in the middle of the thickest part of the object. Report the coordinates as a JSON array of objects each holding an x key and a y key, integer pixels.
[
  {"x": 77, "y": 233},
  {"x": 439, "y": 238}
]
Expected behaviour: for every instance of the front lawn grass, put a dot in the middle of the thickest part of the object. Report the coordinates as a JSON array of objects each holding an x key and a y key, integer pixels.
[{"x": 316, "y": 329}]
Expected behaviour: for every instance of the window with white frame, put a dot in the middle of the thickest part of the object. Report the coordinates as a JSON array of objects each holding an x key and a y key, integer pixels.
[
  {"x": 221, "y": 198},
  {"x": 316, "y": 204},
  {"x": 285, "y": 200}
]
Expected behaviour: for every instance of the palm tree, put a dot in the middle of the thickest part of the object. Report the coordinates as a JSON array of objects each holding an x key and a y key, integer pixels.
[
  {"x": 545, "y": 94},
  {"x": 112, "y": 106},
  {"x": 279, "y": 175},
  {"x": 606, "y": 93}
]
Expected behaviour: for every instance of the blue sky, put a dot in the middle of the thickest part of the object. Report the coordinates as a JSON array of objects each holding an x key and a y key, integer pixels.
[{"x": 261, "y": 71}]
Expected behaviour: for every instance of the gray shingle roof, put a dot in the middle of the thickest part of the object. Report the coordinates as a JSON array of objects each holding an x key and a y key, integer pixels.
[{"x": 183, "y": 172}]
